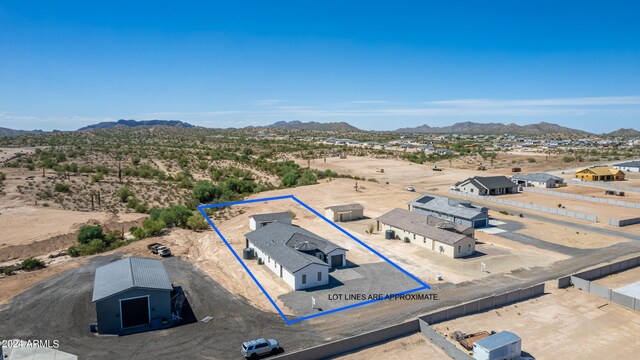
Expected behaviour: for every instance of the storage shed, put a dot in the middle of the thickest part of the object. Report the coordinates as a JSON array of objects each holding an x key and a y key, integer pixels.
[
  {"x": 504, "y": 345},
  {"x": 132, "y": 295},
  {"x": 346, "y": 212}
]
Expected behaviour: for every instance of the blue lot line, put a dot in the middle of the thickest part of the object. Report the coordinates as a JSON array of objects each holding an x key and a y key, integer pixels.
[{"x": 287, "y": 321}]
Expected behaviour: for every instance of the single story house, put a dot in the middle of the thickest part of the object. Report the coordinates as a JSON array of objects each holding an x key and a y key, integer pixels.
[
  {"x": 298, "y": 256},
  {"x": 259, "y": 220},
  {"x": 132, "y": 295},
  {"x": 459, "y": 212},
  {"x": 414, "y": 226},
  {"x": 541, "y": 180},
  {"x": 346, "y": 212},
  {"x": 600, "y": 173},
  {"x": 487, "y": 185},
  {"x": 631, "y": 166}
]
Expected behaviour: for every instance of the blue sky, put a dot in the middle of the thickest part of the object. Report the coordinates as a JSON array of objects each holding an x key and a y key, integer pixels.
[{"x": 65, "y": 64}]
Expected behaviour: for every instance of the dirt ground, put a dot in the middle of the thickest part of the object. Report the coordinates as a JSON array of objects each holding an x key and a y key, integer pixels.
[
  {"x": 558, "y": 325},
  {"x": 620, "y": 279},
  {"x": 414, "y": 347}
]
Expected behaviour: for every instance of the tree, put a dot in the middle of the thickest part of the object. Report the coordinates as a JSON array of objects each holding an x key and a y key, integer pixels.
[
  {"x": 197, "y": 223},
  {"x": 290, "y": 179},
  {"x": 153, "y": 228},
  {"x": 307, "y": 178},
  {"x": 206, "y": 191},
  {"x": 88, "y": 233},
  {"x": 32, "y": 263}
]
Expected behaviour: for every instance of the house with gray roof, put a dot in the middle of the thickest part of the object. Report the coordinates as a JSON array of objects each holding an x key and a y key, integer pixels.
[
  {"x": 542, "y": 180},
  {"x": 259, "y": 220},
  {"x": 414, "y": 227},
  {"x": 630, "y": 166},
  {"x": 345, "y": 212},
  {"x": 487, "y": 185},
  {"x": 132, "y": 295},
  {"x": 299, "y": 257},
  {"x": 460, "y": 212}
]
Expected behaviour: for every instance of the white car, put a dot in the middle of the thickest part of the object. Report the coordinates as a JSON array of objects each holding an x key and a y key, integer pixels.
[
  {"x": 258, "y": 347},
  {"x": 411, "y": 188}
]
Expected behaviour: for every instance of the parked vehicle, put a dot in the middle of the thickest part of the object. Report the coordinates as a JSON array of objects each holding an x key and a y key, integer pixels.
[
  {"x": 258, "y": 347},
  {"x": 411, "y": 188},
  {"x": 159, "y": 249}
]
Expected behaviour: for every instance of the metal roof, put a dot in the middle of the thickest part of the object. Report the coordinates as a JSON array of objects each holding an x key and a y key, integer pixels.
[
  {"x": 629, "y": 164},
  {"x": 541, "y": 177},
  {"x": 124, "y": 274},
  {"x": 347, "y": 207},
  {"x": 448, "y": 206},
  {"x": 490, "y": 182},
  {"x": 417, "y": 223},
  {"x": 497, "y": 341},
  {"x": 285, "y": 215},
  {"x": 279, "y": 241}
]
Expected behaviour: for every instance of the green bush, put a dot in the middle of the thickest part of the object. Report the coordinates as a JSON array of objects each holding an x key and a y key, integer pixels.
[
  {"x": 3, "y": 176},
  {"x": 153, "y": 227},
  {"x": 32, "y": 263},
  {"x": 88, "y": 233},
  {"x": 124, "y": 193},
  {"x": 205, "y": 191},
  {"x": 7, "y": 271},
  {"x": 73, "y": 251},
  {"x": 95, "y": 246},
  {"x": 61, "y": 187},
  {"x": 97, "y": 177},
  {"x": 197, "y": 223}
]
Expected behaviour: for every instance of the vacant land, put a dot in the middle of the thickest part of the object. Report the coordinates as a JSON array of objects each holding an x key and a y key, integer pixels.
[
  {"x": 563, "y": 324},
  {"x": 414, "y": 347},
  {"x": 620, "y": 279}
]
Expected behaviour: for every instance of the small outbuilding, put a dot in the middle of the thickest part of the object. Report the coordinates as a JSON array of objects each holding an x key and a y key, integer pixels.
[
  {"x": 504, "y": 345},
  {"x": 346, "y": 212},
  {"x": 259, "y": 220},
  {"x": 132, "y": 295}
]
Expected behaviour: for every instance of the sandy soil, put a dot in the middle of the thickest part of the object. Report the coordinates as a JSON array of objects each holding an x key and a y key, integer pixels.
[
  {"x": 414, "y": 347},
  {"x": 560, "y": 324},
  {"x": 620, "y": 279}
]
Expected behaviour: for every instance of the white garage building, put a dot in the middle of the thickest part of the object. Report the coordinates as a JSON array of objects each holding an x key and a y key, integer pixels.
[
  {"x": 301, "y": 258},
  {"x": 541, "y": 180},
  {"x": 348, "y": 212}
]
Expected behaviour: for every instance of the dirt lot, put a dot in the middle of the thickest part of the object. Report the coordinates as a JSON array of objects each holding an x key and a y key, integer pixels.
[
  {"x": 597, "y": 192},
  {"x": 414, "y": 347},
  {"x": 560, "y": 325},
  {"x": 620, "y": 279}
]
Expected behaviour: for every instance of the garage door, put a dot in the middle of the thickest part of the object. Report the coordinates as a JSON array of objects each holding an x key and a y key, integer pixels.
[
  {"x": 134, "y": 312},
  {"x": 336, "y": 260}
]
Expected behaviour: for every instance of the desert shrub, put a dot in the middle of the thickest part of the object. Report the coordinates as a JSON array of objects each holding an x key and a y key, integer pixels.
[
  {"x": 153, "y": 227},
  {"x": 568, "y": 159},
  {"x": 95, "y": 246},
  {"x": 142, "y": 208},
  {"x": 32, "y": 263},
  {"x": 290, "y": 179},
  {"x": 3, "y": 176},
  {"x": 61, "y": 187},
  {"x": 7, "y": 271},
  {"x": 197, "y": 222},
  {"x": 73, "y": 251},
  {"x": 307, "y": 178},
  {"x": 97, "y": 177},
  {"x": 88, "y": 233},
  {"x": 124, "y": 193},
  {"x": 531, "y": 160},
  {"x": 175, "y": 215}
]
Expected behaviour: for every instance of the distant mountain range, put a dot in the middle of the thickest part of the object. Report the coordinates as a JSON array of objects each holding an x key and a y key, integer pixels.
[
  {"x": 312, "y": 125},
  {"x": 4, "y": 132},
  {"x": 494, "y": 129},
  {"x": 542, "y": 128},
  {"x": 135, "y": 123},
  {"x": 625, "y": 133}
]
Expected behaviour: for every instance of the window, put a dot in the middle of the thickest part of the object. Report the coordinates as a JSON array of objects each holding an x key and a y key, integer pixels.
[
  {"x": 459, "y": 248},
  {"x": 468, "y": 247},
  {"x": 261, "y": 345},
  {"x": 304, "y": 279},
  {"x": 319, "y": 276},
  {"x": 414, "y": 236}
]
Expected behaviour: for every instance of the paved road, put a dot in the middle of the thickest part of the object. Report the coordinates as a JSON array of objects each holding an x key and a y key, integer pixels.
[{"x": 60, "y": 309}]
